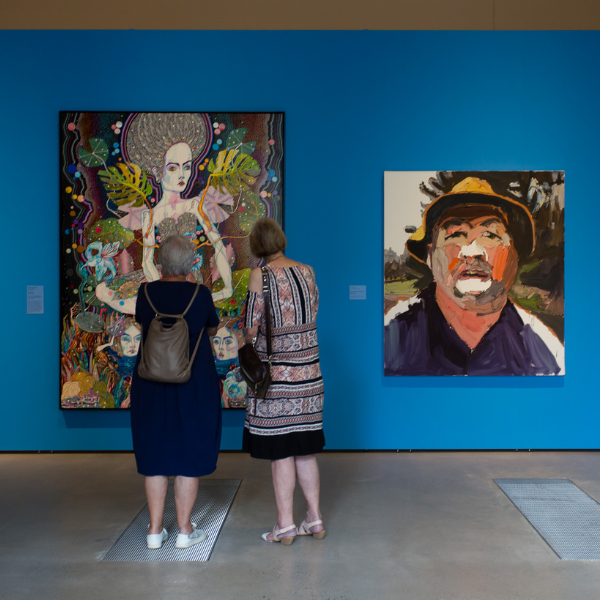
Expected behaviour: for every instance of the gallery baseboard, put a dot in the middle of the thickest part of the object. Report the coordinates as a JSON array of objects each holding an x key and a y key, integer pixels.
[{"x": 333, "y": 451}]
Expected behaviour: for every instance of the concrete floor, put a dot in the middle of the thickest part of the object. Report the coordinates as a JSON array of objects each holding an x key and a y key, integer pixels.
[{"x": 423, "y": 526}]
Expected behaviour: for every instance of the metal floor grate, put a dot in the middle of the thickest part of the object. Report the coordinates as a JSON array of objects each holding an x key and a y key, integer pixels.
[
  {"x": 563, "y": 514},
  {"x": 215, "y": 497}
]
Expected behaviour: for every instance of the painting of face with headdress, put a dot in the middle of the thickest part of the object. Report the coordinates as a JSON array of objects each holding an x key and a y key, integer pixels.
[
  {"x": 129, "y": 181},
  {"x": 226, "y": 343}
]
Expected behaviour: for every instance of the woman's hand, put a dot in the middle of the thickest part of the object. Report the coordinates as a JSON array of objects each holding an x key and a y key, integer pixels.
[
  {"x": 222, "y": 294},
  {"x": 250, "y": 334}
]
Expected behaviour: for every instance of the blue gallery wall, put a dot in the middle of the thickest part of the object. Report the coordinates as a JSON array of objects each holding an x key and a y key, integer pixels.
[{"x": 357, "y": 104}]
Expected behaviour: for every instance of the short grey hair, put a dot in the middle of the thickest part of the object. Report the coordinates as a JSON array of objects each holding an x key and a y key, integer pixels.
[{"x": 175, "y": 255}]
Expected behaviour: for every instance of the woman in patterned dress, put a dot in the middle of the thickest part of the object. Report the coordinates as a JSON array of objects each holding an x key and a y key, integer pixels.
[{"x": 286, "y": 426}]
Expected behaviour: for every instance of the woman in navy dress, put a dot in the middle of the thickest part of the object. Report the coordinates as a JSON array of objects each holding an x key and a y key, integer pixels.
[{"x": 177, "y": 427}]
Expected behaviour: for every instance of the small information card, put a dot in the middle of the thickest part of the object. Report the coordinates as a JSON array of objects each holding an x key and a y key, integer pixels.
[
  {"x": 358, "y": 292},
  {"x": 35, "y": 299}
]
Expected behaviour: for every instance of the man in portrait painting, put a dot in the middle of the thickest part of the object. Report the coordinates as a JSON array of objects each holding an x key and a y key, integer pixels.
[{"x": 464, "y": 323}]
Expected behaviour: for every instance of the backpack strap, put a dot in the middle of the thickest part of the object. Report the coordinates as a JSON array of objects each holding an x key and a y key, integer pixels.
[
  {"x": 193, "y": 356},
  {"x": 171, "y": 316},
  {"x": 267, "y": 297}
]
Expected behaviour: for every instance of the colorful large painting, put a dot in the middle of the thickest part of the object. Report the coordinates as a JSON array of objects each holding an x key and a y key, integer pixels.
[
  {"x": 128, "y": 181},
  {"x": 474, "y": 273}
]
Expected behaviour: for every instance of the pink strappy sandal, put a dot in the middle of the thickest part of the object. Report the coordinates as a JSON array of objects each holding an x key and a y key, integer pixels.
[
  {"x": 304, "y": 529},
  {"x": 286, "y": 540}
]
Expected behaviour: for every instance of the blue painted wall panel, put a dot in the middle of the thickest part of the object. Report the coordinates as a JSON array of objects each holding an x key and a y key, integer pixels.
[{"x": 357, "y": 104}]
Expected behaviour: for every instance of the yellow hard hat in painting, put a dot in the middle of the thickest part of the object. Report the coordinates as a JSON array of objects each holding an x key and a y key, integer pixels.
[{"x": 472, "y": 191}]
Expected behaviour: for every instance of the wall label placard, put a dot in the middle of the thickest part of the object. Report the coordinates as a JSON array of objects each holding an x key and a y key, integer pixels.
[
  {"x": 35, "y": 299},
  {"x": 358, "y": 292}
]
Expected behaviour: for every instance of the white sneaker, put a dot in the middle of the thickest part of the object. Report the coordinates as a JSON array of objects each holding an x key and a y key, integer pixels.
[
  {"x": 185, "y": 541},
  {"x": 156, "y": 540}
]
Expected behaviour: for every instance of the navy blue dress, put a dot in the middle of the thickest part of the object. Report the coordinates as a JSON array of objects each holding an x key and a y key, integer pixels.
[{"x": 176, "y": 428}]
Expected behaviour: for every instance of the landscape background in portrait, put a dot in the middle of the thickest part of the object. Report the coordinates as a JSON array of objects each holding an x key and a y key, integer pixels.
[
  {"x": 539, "y": 284},
  {"x": 236, "y": 177}
]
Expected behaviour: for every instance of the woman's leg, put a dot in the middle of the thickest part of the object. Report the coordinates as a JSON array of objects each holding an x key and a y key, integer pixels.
[
  {"x": 284, "y": 482},
  {"x": 307, "y": 470},
  {"x": 156, "y": 492},
  {"x": 186, "y": 490}
]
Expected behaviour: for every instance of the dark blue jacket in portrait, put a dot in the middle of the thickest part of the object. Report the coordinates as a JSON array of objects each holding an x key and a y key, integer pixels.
[{"x": 419, "y": 341}]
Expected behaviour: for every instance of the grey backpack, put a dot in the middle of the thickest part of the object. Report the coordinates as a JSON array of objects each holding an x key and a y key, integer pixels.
[{"x": 165, "y": 354}]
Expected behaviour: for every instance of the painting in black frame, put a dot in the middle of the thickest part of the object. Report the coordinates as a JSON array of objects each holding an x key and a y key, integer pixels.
[{"x": 120, "y": 195}]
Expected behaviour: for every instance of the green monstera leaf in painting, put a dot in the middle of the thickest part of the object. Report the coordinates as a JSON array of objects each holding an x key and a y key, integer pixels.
[
  {"x": 98, "y": 154},
  {"x": 233, "y": 172},
  {"x": 126, "y": 184},
  {"x": 235, "y": 141},
  {"x": 252, "y": 208},
  {"x": 240, "y": 289}
]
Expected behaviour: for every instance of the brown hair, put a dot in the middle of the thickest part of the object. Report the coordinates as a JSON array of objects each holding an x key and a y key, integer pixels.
[{"x": 267, "y": 238}]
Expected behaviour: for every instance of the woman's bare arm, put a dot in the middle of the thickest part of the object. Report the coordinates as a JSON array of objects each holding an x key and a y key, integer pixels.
[{"x": 254, "y": 285}]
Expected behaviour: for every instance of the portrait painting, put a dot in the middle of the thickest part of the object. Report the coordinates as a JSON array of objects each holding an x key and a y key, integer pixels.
[
  {"x": 474, "y": 273},
  {"x": 129, "y": 180}
]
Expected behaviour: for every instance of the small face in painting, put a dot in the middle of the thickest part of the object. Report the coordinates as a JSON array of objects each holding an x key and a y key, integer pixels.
[
  {"x": 177, "y": 168},
  {"x": 130, "y": 340},
  {"x": 225, "y": 344},
  {"x": 472, "y": 255}
]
